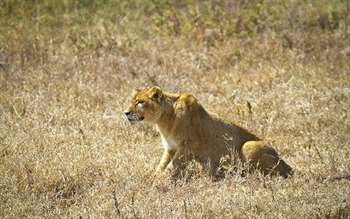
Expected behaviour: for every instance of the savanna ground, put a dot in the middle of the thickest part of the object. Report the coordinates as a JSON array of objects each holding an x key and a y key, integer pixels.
[{"x": 278, "y": 68}]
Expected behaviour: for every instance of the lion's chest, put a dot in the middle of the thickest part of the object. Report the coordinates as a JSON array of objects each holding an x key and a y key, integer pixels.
[{"x": 169, "y": 143}]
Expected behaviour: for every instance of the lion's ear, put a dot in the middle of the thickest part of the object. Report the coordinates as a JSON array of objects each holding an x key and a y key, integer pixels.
[
  {"x": 155, "y": 92},
  {"x": 135, "y": 92}
]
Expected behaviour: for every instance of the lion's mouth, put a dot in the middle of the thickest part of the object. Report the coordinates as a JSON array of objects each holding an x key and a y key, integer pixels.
[{"x": 134, "y": 118}]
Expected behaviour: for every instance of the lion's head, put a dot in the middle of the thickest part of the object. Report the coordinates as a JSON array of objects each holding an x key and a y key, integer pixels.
[{"x": 145, "y": 105}]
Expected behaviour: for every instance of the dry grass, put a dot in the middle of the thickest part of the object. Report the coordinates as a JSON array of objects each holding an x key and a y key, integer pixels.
[{"x": 65, "y": 150}]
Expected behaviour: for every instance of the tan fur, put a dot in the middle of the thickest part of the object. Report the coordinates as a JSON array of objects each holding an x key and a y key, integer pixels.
[{"x": 188, "y": 131}]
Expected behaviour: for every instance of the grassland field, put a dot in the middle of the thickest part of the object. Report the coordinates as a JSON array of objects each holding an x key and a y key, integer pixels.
[{"x": 281, "y": 69}]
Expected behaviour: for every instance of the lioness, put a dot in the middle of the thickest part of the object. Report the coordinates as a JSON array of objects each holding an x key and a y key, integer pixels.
[{"x": 187, "y": 130}]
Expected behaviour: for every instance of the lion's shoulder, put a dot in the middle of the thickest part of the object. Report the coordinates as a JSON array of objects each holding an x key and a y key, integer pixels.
[{"x": 187, "y": 104}]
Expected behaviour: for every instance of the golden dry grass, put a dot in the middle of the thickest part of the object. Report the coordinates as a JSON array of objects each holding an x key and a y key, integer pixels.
[{"x": 65, "y": 150}]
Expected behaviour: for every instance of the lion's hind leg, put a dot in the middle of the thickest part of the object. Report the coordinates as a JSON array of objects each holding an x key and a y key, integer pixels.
[{"x": 265, "y": 158}]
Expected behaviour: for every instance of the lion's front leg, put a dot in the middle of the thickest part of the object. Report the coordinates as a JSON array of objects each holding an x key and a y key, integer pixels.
[
  {"x": 167, "y": 156},
  {"x": 179, "y": 163}
]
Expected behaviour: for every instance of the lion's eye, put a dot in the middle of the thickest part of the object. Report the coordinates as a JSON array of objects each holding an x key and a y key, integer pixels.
[{"x": 140, "y": 103}]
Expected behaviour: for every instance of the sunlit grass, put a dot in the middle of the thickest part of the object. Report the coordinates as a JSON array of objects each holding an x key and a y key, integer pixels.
[{"x": 67, "y": 70}]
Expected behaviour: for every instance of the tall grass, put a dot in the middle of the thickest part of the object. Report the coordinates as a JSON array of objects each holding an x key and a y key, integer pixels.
[{"x": 67, "y": 68}]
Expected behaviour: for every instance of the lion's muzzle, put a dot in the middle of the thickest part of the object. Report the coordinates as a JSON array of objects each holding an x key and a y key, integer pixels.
[{"x": 132, "y": 117}]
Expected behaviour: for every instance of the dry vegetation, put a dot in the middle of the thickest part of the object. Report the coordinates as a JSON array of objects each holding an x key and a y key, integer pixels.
[{"x": 282, "y": 70}]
